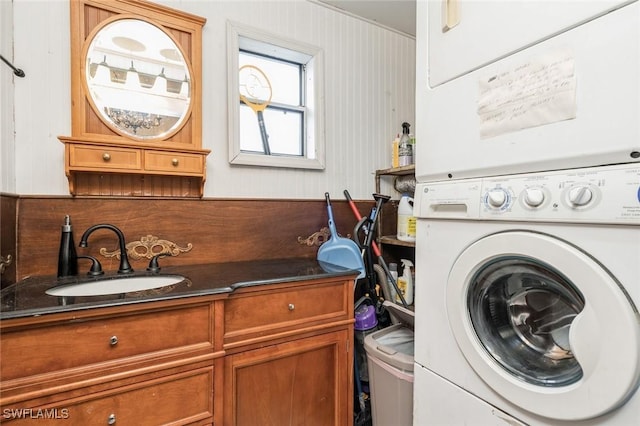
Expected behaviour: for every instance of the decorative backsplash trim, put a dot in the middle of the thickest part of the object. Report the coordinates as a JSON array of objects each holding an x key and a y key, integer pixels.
[
  {"x": 315, "y": 239},
  {"x": 148, "y": 247},
  {"x": 4, "y": 262}
]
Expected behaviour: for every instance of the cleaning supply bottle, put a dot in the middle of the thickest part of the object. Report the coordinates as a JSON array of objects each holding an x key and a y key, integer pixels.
[
  {"x": 395, "y": 160},
  {"x": 67, "y": 258},
  {"x": 405, "y": 148},
  {"x": 406, "y": 230},
  {"x": 393, "y": 270},
  {"x": 405, "y": 282},
  {"x": 412, "y": 140}
]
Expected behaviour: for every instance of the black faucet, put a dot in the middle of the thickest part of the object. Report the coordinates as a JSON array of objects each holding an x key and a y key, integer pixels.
[{"x": 125, "y": 267}]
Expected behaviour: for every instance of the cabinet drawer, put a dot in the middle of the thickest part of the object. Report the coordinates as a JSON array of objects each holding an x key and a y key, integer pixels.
[
  {"x": 254, "y": 315},
  {"x": 176, "y": 399},
  {"x": 98, "y": 157},
  {"x": 114, "y": 340},
  {"x": 182, "y": 399},
  {"x": 169, "y": 162}
]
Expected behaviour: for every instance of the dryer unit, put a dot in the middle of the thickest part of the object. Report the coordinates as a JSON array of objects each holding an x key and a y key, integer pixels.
[
  {"x": 527, "y": 294},
  {"x": 519, "y": 87},
  {"x": 465, "y": 35}
]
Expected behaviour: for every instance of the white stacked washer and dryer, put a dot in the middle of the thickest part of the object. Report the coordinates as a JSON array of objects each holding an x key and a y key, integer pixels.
[{"x": 528, "y": 205}]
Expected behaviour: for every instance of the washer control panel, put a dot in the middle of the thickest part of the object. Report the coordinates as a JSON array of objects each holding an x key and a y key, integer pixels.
[{"x": 607, "y": 194}]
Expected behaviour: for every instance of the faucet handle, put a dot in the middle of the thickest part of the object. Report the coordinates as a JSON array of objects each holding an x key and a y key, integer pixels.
[
  {"x": 153, "y": 263},
  {"x": 96, "y": 267}
]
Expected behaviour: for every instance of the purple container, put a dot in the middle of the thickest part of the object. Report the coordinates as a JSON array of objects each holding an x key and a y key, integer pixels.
[
  {"x": 366, "y": 323},
  {"x": 365, "y": 317}
]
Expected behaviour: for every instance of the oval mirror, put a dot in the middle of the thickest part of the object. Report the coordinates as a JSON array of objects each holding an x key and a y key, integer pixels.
[{"x": 138, "y": 80}]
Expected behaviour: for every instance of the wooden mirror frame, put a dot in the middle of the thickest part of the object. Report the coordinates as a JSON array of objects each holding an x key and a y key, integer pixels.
[
  {"x": 100, "y": 161},
  {"x": 98, "y": 32}
]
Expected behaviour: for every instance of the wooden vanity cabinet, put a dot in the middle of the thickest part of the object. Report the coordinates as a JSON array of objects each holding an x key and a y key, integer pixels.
[
  {"x": 134, "y": 364},
  {"x": 289, "y": 354},
  {"x": 277, "y": 354}
]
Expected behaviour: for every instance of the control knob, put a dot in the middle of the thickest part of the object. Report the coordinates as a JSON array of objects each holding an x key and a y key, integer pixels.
[
  {"x": 580, "y": 195},
  {"x": 497, "y": 198},
  {"x": 533, "y": 197}
]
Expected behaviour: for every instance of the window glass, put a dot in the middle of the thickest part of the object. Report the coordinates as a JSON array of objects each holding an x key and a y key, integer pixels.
[
  {"x": 288, "y": 129},
  {"x": 283, "y": 117},
  {"x": 284, "y": 130}
]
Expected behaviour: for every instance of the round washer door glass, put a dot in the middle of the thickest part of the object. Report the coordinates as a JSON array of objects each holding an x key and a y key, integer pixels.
[
  {"x": 522, "y": 312},
  {"x": 541, "y": 322}
]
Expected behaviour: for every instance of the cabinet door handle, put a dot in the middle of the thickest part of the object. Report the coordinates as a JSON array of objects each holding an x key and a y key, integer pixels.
[
  {"x": 175, "y": 162},
  {"x": 106, "y": 156},
  {"x": 113, "y": 340},
  {"x": 111, "y": 420},
  {"x": 291, "y": 306}
]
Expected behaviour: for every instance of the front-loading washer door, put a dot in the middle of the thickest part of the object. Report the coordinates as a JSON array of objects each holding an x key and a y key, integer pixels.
[{"x": 545, "y": 325}]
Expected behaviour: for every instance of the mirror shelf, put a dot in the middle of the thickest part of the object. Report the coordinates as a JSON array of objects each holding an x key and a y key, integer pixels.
[{"x": 136, "y": 100}]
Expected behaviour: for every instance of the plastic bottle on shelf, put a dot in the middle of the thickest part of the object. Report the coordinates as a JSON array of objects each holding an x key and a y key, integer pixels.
[
  {"x": 395, "y": 160},
  {"x": 405, "y": 148},
  {"x": 393, "y": 270},
  {"x": 406, "y": 221},
  {"x": 405, "y": 282},
  {"x": 412, "y": 141}
]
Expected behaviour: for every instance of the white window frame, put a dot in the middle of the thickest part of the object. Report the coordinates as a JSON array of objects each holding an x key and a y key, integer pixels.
[{"x": 240, "y": 36}]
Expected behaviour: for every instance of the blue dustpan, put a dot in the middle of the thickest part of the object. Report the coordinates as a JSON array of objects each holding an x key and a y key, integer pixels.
[{"x": 339, "y": 251}]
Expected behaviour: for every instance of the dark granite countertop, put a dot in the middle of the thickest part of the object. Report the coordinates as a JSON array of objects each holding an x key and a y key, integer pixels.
[{"x": 28, "y": 297}]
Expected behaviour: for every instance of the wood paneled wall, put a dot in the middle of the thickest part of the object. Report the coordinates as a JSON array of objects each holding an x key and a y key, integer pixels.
[{"x": 220, "y": 230}]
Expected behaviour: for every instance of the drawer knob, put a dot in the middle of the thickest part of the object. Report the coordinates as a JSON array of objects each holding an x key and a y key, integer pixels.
[
  {"x": 106, "y": 156},
  {"x": 175, "y": 162},
  {"x": 113, "y": 340},
  {"x": 112, "y": 419},
  {"x": 291, "y": 306}
]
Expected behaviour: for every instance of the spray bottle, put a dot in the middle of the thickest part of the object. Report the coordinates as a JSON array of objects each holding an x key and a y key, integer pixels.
[
  {"x": 405, "y": 148},
  {"x": 405, "y": 282}
]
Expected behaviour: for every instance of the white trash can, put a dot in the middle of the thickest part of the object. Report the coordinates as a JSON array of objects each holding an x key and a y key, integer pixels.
[{"x": 390, "y": 362}]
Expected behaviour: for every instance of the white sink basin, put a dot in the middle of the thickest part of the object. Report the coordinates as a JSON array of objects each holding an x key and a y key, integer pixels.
[{"x": 115, "y": 286}]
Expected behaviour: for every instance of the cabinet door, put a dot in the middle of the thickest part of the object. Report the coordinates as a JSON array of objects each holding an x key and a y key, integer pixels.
[
  {"x": 307, "y": 381},
  {"x": 467, "y": 34}
]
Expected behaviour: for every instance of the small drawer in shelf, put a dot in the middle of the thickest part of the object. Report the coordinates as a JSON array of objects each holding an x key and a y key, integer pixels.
[
  {"x": 171, "y": 162},
  {"x": 93, "y": 157}
]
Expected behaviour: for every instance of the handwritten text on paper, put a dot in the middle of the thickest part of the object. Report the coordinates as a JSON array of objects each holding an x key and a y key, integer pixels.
[{"x": 540, "y": 91}]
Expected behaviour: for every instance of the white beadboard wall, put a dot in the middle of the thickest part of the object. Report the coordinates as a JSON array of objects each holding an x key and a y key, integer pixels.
[
  {"x": 369, "y": 92},
  {"x": 7, "y": 151}
]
